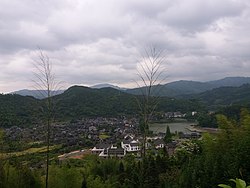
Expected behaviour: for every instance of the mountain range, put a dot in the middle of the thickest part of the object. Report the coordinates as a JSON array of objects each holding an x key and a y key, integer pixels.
[
  {"x": 39, "y": 94},
  {"x": 184, "y": 87},
  {"x": 79, "y": 101},
  {"x": 172, "y": 89}
]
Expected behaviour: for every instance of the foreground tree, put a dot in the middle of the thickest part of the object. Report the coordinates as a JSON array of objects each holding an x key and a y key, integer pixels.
[
  {"x": 150, "y": 72},
  {"x": 222, "y": 156},
  {"x": 46, "y": 84},
  {"x": 239, "y": 183}
]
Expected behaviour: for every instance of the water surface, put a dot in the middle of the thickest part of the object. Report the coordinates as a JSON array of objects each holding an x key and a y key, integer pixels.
[{"x": 175, "y": 126}]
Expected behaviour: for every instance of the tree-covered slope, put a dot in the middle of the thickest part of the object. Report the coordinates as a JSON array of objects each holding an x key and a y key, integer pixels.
[
  {"x": 225, "y": 96},
  {"x": 18, "y": 110},
  {"x": 80, "y": 101}
]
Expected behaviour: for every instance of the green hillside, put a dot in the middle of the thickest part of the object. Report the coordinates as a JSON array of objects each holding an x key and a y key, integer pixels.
[
  {"x": 225, "y": 96},
  {"x": 78, "y": 102},
  {"x": 16, "y": 110}
]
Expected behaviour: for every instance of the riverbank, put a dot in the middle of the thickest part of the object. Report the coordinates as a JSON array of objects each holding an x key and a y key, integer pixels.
[{"x": 194, "y": 128}]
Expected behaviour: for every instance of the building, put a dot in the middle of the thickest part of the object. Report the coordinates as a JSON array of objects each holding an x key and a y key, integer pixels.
[
  {"x": 131, "y": 145},
  {"x": 113, "y": 152}
]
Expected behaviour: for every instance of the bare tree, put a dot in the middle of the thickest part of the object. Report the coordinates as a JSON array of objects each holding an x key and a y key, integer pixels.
[
  {"x": 151, "y": 75},
  {"x": 46, "y": 84}
]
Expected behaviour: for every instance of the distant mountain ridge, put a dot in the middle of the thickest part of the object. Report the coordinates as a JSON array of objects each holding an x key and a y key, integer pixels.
[
  {"x": 230, "y": 81},
  {"x": 100, "y": 86},
  {"x": 172, "y": 89},
  {"x": 39, "y": 94},
  {"x": 184, "y": 87}
]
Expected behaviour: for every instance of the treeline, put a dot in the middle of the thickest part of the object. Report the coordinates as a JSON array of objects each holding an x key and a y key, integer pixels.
[
  {"x": 209, "y": 119},
  {"x": 196, "y": 163}
]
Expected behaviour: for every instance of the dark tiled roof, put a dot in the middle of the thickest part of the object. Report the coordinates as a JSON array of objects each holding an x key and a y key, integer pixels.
[
  {"x": 102, "y": 146},
  {"x": 159, "y": 141},
  {"x": 134, "y": 144},
  {"x": 116, "y": 151},
  {"x": 126, "y": 141}
]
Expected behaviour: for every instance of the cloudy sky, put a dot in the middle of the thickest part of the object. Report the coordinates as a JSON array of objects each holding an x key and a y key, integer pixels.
[{"x": 92, "y": 41}]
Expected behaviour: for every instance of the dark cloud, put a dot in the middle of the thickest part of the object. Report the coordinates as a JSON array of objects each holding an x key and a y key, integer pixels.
[{"x": 95, "y": 41}]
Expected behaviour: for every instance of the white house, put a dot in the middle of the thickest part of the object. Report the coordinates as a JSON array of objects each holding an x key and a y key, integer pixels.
[{"x": 131, "y": 145}]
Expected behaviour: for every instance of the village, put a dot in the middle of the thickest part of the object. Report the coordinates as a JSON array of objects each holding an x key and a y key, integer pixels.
[{"x": 105, "y": 137}]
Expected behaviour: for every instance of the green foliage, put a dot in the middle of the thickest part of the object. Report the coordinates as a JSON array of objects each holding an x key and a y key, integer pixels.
[
  {"x": 222, "y": 156},
  {"x": 207, "y": 120},
  {"x": 239, "y": 183},
  {"x": 16, "y": 110},
  {"x": 19, "y": 176},
  {"x": 64, "y": 177}
]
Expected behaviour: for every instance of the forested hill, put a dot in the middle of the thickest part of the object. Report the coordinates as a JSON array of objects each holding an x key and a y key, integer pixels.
[
  {"x": 18, "y": 110},
  {"x": 79, "y": 101},
  {"x": 224, "y": 96}
]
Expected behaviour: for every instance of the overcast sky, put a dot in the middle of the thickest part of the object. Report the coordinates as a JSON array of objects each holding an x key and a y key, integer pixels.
[{"x": 100, "y": 41}]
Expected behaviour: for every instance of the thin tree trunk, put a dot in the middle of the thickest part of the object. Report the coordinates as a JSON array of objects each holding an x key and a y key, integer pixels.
[{"x": 46, "y": 82}]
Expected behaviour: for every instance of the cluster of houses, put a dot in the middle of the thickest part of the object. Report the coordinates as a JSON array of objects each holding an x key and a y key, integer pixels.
[
  {"x": 174, "y": 115},
  {"x": 130, "y": 144},
  {"x": 170, "y": 115},
  {"x": 122, "y": 137},
  {"x": 75, "y": 133}
]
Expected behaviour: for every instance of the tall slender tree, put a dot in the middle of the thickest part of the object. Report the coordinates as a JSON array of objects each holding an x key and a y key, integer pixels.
[
  {"x": 168, "y": 135},
  {"x": 46, "y": 84},
  {"x": 151, "y": 76}
]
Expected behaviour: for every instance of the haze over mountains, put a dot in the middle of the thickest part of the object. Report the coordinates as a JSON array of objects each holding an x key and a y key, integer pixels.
[
  {"x": 39, "y": 94},
  {"x": 172, "y": 89}
]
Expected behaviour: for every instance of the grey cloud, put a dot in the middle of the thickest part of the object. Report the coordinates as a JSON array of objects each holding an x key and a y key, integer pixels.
[
  {"x": 95, "y": 41},
  {"x": 195, "y": 14}
]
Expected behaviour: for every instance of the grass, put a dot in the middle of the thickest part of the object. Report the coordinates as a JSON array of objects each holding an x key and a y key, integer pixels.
[
  {"x": 103, "y": 136},
  {"x": 29, "y": 151}
]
